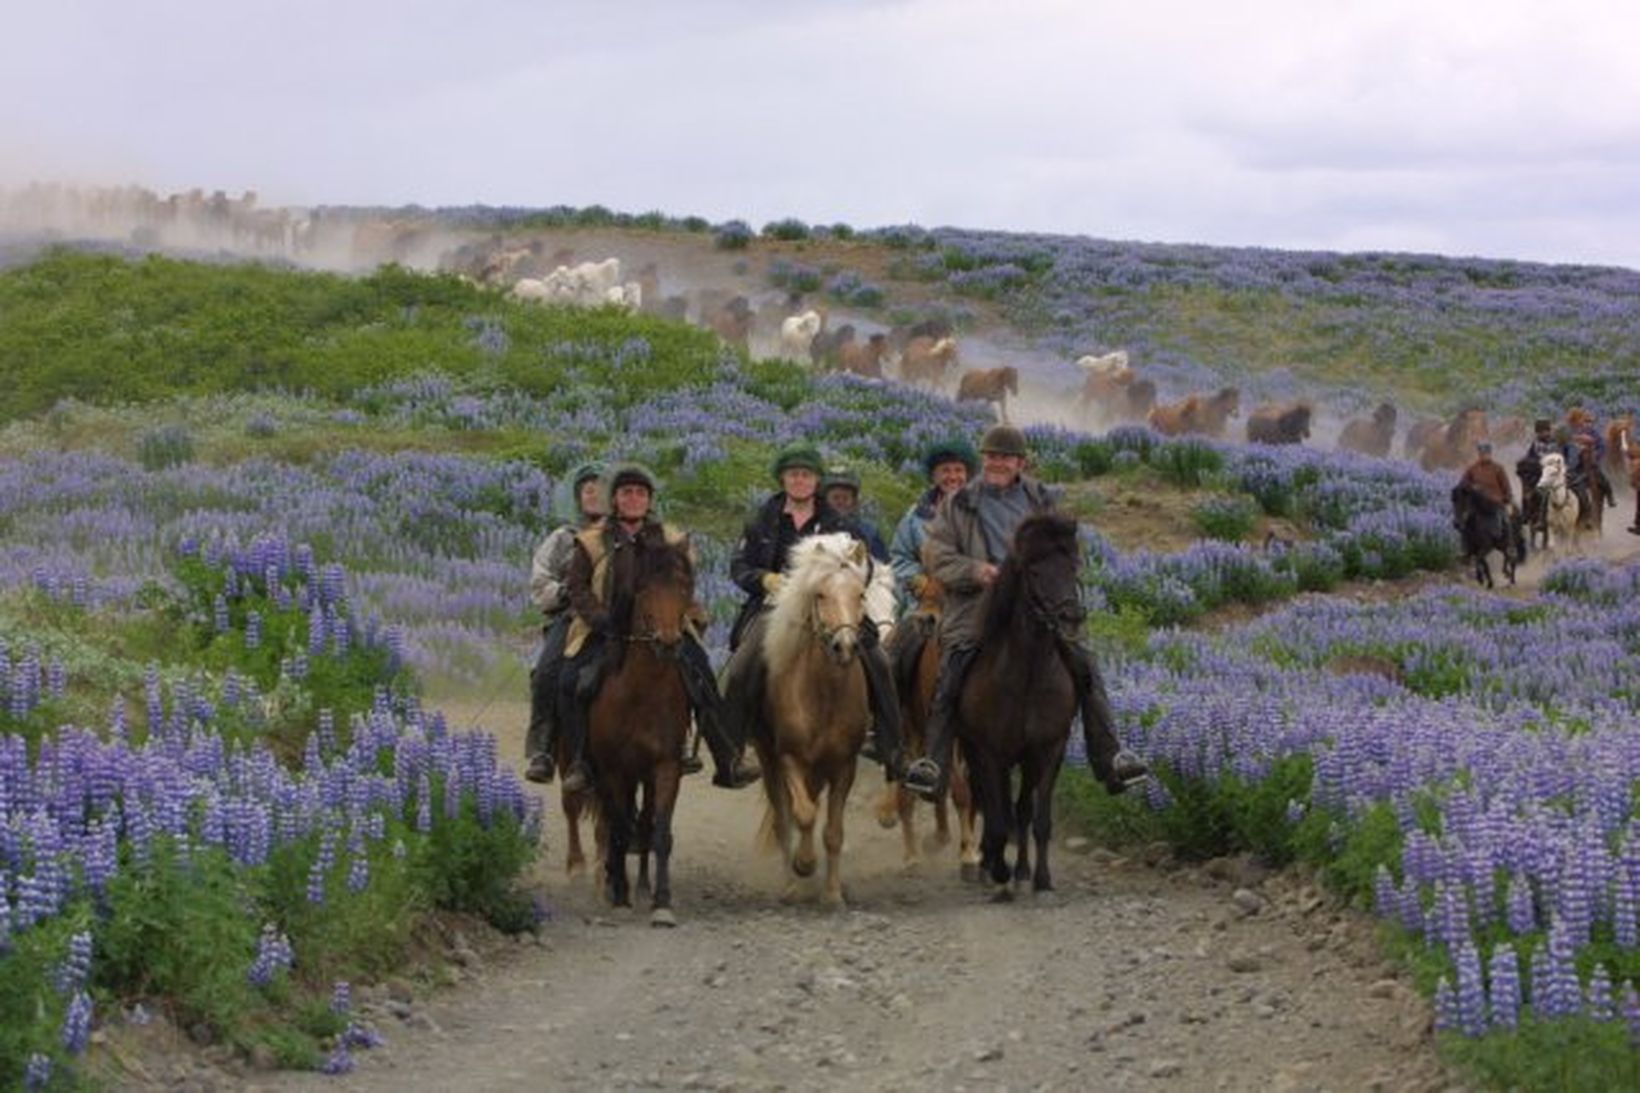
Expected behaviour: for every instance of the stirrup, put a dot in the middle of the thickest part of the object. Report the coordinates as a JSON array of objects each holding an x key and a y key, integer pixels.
[
  {"x": 739, "y": 774},
  {"x": 578, "y": 778},
  {"x": 539, "y": 769},
  {"x": 923, "y": 778},
  {"x": 691, "y": 764}
]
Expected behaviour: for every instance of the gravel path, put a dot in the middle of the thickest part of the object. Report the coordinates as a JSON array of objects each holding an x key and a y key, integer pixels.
[{"x": 1131, "y": 975}]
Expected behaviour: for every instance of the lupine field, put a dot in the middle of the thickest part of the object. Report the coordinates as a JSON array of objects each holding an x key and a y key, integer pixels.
[{"x": 226, "y": 604}]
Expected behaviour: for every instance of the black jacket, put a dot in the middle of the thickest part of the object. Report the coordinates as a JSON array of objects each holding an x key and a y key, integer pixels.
[{"x": 760, "y": 551}]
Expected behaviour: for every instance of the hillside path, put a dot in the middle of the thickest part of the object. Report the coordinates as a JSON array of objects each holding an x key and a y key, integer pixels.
[{"x": 1128, "y": 977}]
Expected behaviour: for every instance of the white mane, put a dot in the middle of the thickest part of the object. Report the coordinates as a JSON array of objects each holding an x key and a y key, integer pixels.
[
  {"x": 812, "y": 561},
  {"x": 1553, "y": 475}
]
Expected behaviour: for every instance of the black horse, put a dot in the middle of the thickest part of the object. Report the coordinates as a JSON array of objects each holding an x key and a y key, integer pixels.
[
  {"x": 1484, "y": 527},
  {"x": 1019, "y": 697}
]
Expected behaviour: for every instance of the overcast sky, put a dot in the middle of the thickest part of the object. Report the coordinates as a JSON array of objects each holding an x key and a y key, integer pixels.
[{"x": 1505, "y": 128}]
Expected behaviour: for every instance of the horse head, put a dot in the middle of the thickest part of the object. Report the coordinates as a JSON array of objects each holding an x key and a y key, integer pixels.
[
  {"x": 1553, "y": 472},
  {"x": 663, "y": 597},
  {"x": 823, "y": 596},
  {"x": 1040, "y": 575}
]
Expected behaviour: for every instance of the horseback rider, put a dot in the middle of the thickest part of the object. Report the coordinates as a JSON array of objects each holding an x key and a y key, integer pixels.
[
  {"x": 1578, "y": 472},
  {"x": 794, "y": 512},
  {"x": 841, "y": 489},
  {"x": 968, "y": 540},
  {"x": 1529, "y": 467},
  {"x": 949, "y": 464},
  {"x": 603, "y": 564},
  {"x": 1486, "y": 477},
  {"x": 549, "y": 589}
]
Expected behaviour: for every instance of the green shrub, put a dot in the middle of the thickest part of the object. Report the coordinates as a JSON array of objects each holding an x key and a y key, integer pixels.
[
  {"x": 166, "y": 446},
  {"x": 789, "y": 229},
  {"x": 1093, "y": 458},
  {"x": 1185, "y": 463},
  {"x": 1230, "y": 519}
]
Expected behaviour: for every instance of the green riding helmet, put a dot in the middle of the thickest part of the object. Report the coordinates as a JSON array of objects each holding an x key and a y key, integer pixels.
[
  {"x": 950, "y": 451},
  {"x": 798, "y": 457},
  {"x": 1004, "y": 440}
]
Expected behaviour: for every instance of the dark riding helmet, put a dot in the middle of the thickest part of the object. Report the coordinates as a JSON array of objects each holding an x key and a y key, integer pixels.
[
  {"x": 632, "y": 474},
  {"x": 950, "y": 451},
  {"x": 841, "y": 476},
  {"x": 586, "y": 472},
  {"x": 1004, "y": 440},
  {"x": 798, "y": 457},
  {"x": 1542, "y": 425}
]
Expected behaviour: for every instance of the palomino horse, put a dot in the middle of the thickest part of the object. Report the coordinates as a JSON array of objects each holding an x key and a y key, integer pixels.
[
  {"x": 915, "y": 683},
  {"x": 816, "y": 711},
  {"x": 1560, "y": 507},
  {"x": 990, "y": 385},
  {"x": 639, "y": 721},
  {"x": 1018, "y": 699}
]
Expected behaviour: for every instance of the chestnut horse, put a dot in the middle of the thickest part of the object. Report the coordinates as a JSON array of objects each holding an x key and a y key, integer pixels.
[
  {"x": 639, "y": 721},
  {"x": 1019, "y": 697},
  {"x": 915, "y": 683},
  {"x": 990, "y": 385},
  {"x": 816, "y": 711}
]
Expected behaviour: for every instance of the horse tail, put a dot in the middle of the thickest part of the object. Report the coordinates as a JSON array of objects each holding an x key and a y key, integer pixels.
[{"x": 774, "y": 834}]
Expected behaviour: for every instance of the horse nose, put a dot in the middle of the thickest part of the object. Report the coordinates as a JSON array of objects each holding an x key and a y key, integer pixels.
[{"x": 843, "y": 647}]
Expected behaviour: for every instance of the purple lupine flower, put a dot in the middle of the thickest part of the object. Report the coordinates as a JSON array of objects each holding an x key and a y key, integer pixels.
[
  {"x": 339, "y": 1061},
  {"x": 77, "y": 1024},
  {"x": 362, "y": 1036},
  {"x": 273, "y": 957},
  {"x": 1471, "y": 992},
  {"x": 1597, "y": 998},
  {"x": 1521, "y": 917},
  {"x": 1386, "y": 900},
  {"x": 358, "y": 870},
  {"x": 1559, "y": 995},
  {"x": 37, "y": 1073},
  {"x": 341, "y": 998},
  {"x": 322, "y": 864},
  {"x": 76, "y": 966},
  {"x": 1446, "y": 1007},
  {"x": 1503, "y": 971},
  {"x": 253, "y": 630},
  {"x": 1631, "y": 1013},
  {"x": 219, "y": 613}
]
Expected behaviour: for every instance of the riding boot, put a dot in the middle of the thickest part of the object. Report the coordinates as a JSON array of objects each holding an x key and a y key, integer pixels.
[
  {"x": 734, "y": 769},
  {"x": 539, "y": 741},
  {"x": 1606, "y": 490},
  {"x": 885, "y": 703},
  {"x": 1115, "y": 768},
  {"x": 927, "y": 777},
  {"x": 580, "y": 686}
]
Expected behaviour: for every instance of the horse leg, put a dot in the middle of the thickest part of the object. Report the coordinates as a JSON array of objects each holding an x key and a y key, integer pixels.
[
  {"x": 1024, "y": 817},
  {"x": 994, "y": 842},
  {"x": 941, "y": 835},
  {"x": 888, "y": 806},
  {"x": 908, "y": 824},
  {"x": 644, "y": 837},
  {"x": 576, "y": 859},
  {"x": 836, "y": 801},
  {"x": 618, "y": 805},
  {"x": 665, "y": 800},
  {"x": 1042, "y": 879},
  {"x": 965, "y": 795},
  {"x": 805, "y": 810}
]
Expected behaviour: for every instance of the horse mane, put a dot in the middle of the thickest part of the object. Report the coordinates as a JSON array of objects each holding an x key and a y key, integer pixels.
[
  {"x": 1038, "y": 537},
  {"x": 656, "y": 559},
  {"x": 812, "y": 560}
]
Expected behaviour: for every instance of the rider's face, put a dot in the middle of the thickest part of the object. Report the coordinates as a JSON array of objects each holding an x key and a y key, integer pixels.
[
  {"x": 951, "y": 476},
  {"x": 842, "y": 499},
  {"x": 1001, "y": 470},
  {"x": 799, "y": 483},
  {"x": 592, "y": 497},
  {"x": 631, "y": 501}
]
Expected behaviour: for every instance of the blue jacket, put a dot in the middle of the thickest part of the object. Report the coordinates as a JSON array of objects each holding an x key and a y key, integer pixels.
[{"x": 905, "y": 552}]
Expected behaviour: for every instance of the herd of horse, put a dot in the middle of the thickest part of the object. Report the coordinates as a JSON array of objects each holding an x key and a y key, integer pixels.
[{"x": 1014, "y": 713}]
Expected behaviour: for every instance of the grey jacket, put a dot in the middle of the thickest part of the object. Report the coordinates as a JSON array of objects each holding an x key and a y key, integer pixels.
[{"x": 954, "y": 552}]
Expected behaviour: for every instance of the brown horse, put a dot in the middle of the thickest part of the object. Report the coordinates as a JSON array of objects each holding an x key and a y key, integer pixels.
[
  {"x": 898, "y": 805},
  {"x": 639, "y": 721},
  {"x": 1619, "y": 438},
  {"x": 1019, "y": 697},
  {"x": 928, "y": 360},
  {"x": 1370, "y": 436},
  {"x": 815, "y": 709},
  {"x": 864, "y": 358},
  {"x": 1592, "y": 518},
  {"x": 990, "y": 385},
  {"x": 1204, "y": 414},
  {"x": 1454, "y": 446}
]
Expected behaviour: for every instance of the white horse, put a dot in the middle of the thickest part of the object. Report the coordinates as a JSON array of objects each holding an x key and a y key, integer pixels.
[{"x": 1561, "y": 507}]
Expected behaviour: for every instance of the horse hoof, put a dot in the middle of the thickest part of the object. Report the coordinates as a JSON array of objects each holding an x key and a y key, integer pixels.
[
  {"x": 803, "y": 867},
  {"x": 970, "y": 872},
  {"x": 888, "y": 822},
  {"x": 662, "y": 918}
]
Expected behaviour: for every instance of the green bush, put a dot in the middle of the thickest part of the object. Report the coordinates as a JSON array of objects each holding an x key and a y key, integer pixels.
[
  {"x": 1185, "y": 463},
  {"x": 789, "y": 229},
  {"x": 166, "y": 446},
  {"x": 1230, "y": 519},
  {"x": 1093, "y": 458}
]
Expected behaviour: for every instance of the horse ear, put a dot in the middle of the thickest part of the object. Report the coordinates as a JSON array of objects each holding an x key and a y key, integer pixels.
[{"x": 857, "y": 553}]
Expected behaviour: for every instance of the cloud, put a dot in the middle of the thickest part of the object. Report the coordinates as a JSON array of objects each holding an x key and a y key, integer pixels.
[{"x": 1503, "y": 128}]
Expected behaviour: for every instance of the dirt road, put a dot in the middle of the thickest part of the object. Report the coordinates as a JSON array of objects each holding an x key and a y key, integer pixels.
[{"x": 1129, "y": 976}]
